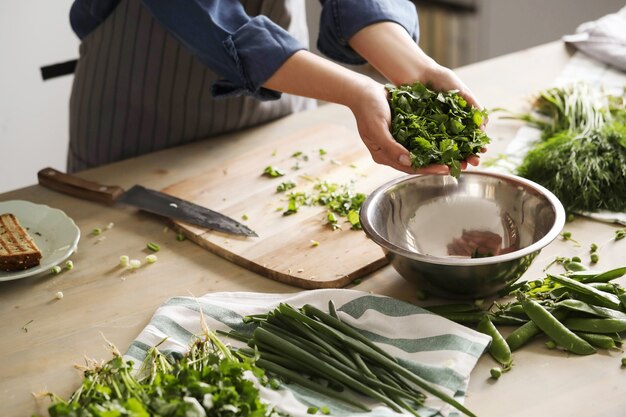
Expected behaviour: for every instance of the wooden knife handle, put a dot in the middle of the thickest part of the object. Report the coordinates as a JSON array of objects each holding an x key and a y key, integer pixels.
[{"x": 78, "y": 187}]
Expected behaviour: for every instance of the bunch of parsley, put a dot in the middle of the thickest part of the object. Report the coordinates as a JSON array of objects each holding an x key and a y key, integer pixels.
[{"x": 436, "y": 127}]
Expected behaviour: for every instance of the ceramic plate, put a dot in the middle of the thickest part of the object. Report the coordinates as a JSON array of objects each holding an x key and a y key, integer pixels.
[{"x": 53, "y": 231}]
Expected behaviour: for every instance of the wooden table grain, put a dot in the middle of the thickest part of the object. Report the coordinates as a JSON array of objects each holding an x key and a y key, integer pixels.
[{"x": 43, "y": 337}]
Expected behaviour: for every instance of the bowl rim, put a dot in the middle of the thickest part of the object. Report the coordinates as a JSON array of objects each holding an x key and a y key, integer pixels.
[{"x": 559, "y": 223}]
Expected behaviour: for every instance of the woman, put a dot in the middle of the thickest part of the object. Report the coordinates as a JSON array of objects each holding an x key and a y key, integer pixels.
[{"x": 156, "y": 73}]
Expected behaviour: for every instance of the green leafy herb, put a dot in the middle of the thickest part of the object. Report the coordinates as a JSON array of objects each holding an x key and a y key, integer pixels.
[
  {"x": 272, "y": 172},
  {"x": 284, "y": 186},
  {"x": 582, "y": 156},
  {"x": 436, "y": 127},
  {"x": 208, "y": 381}
]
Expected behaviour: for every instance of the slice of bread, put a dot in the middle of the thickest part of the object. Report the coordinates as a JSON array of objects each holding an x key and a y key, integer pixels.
[{"x": 18, "y": 251}]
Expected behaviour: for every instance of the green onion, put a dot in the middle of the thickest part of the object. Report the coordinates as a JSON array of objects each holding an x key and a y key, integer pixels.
[{"x": 153, "y": 246}]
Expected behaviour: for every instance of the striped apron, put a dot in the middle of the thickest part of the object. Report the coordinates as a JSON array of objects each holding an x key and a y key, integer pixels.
[{"x": 138, "y": 90}]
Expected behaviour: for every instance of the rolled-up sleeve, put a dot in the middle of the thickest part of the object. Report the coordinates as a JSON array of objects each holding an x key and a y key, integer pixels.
[
  {"x": 244, "y": 50},
  {"x": 341, "y": 19}
]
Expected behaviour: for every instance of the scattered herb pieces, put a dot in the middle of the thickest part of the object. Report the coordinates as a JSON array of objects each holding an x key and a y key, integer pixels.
[
  {"x": 96, "y": 231},
  {"x": 436, "y": 127},
  {"x": 284, "y": 186},
  {"x": 55, "y": 270},
  {"x": 272, "y": 172},
  {"x": 69, "y": 265},
  {"x": 312, "y": 410},
  {"x": 180, "y": 237},
  {"x": 153, "y": 247},
  {"x": 357, "y": 281},
  {"x": 134, "y": 263},
  {"x": 151, "y": 258},
  {"x": 245, "y": 217},
  {"x": 568, "y": 236},
  {"x": 593, "y": 248},
  {"x": 620, "y": 234},
  {"x": 58, "y": 295},
  {"x": 315, "y": 243},
  {"x": 594, "y": 258}
]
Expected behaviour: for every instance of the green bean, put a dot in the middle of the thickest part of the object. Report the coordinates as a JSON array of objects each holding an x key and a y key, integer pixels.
[
  {"x": 595, "y": 325},
  {"x": 498, "y": 348},
  {"x": 553, "y": 328},
  {"x": 601, "y": 298},
  {"x": 598, "y": 340}
]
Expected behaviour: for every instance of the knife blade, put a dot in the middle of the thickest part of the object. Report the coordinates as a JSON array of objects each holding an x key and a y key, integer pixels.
[{"x": 146, "y": 199}]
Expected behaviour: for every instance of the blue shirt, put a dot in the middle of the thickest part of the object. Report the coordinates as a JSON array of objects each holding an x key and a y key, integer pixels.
[{"x": 247, "y": 50}]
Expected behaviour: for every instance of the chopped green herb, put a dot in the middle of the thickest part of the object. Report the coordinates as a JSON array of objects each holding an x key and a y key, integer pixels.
[
  {"x": 55, "y": 270},
  {"x": 96, "y": 231},
  {"x": 357, "y": 281},
  {"x": 495, "y": 372},
  {"x": 153, "y": 246},
  {"x": 570, "y": 218},
  {"x": 244, "y": 217},
  {"x": 151, "y": 259},
  {"x": 124, "y": 261},
  {"x": 620, "y": 234},
  {"x": 284, "y": 186},
  {"x": 69, "y": 265},
  {"x": 272, "y": 172},
  {"x": 312, "y": 410},
  {"x": 568, "y": 236},
  {"x": 315, "y": 243},
  {"x": 180, "y": 237},
  {"x": 594, "y": 258},
  {"x": 550, "y": 344},
  {"x": 436, "y": 127},
  {"x": 323, "y": 152},
  {"x": 593, "y": 248},
  {"x": 325, "y": 410}
]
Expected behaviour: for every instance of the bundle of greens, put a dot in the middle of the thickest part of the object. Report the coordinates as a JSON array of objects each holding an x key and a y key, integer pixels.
[
  {"x": 319, "y": 351},
  {"x": 582, "y": 155},
  {"x": 207, "y": 381},
  {"x": 436, "y": 127}
]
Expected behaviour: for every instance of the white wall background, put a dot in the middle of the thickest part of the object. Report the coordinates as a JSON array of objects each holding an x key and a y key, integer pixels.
[
  {"x": 33, "y": 113},
  {"x": 34, "y": 33}
]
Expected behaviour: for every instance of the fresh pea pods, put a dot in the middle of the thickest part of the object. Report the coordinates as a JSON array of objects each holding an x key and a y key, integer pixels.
[
  {"x": 582, "y": 307},
  {"x": 600, "y": 298},
  {"x": 606, "y": 276},
  {"x": 498, "y": 348},
  {"x": 553, "y": 328},
  {"x": 527, "y": 332},
  {"x": 595, "y": 325},
  {"x": 598, "y": 340},
  {"x": 522, "y": 335}
]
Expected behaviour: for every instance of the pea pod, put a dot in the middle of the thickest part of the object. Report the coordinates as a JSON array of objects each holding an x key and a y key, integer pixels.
[
  {"x": 598, "y": 340},
  {"x": 527, "y": 331},
  {"x": 553, "y": 328},
  {"x": 474, "y": 317},
  {"x": 582, "y": 307},
  {"x": 606, "y": 276},
  {"x": 595, "y": 325},
  {"x": 600, "y": 298},
  {"x": 607, "y": 287},
  {"x": 498, "y": 348},
  {"x": 522, "y": 335}
]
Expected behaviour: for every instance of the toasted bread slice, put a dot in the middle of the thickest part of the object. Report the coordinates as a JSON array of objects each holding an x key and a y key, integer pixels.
[{"x": 18, "y": 251}]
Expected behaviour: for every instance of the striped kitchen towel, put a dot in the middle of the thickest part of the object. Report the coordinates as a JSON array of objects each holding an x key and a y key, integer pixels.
[{"x": 439, "y": 350}]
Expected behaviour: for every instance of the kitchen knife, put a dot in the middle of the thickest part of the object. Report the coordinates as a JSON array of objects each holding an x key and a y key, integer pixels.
[{"x": 146, "y": 199}]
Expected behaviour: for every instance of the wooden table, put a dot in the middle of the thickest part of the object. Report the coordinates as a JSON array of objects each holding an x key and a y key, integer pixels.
[{"x": 100, "y": 299}]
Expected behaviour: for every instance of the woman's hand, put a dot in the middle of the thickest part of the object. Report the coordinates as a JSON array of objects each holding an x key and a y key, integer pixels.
[{"x": 373, "y": 117}]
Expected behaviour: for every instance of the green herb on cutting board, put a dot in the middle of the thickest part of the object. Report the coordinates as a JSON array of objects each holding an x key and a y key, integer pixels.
[
  {"x": 582, "y": 155},
  {"x": 436, "y": 127}
]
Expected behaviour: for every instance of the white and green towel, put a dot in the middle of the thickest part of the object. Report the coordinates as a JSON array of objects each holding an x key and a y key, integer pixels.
[{"x": 439, "y": 350}]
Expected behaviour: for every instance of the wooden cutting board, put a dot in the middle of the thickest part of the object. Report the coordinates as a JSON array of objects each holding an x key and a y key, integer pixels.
[{"x": 284, "y": 250}]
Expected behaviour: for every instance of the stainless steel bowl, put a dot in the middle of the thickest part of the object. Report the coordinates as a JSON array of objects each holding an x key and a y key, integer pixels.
[{"x": 462, "y": 238}]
